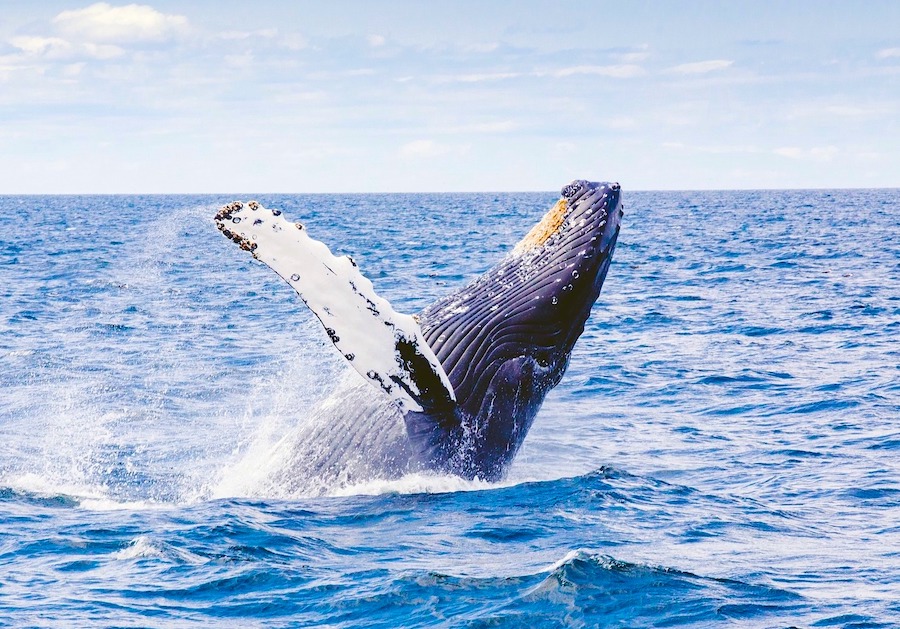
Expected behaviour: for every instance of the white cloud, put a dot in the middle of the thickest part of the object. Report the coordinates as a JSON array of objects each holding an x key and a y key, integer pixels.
[
  {"x": 265, "y": 33},
  {"x": 376, "y": 41},
  {"x": 242, "y": 60},
  {"x": 291, "y": 41},
  {"x": 7, "y": 69},
  {"x": 294, "y": 41},
  {"x": 642, "y": 53},
  {"x": 499, "y": 126},
  {"x": 623, "y": 71},
  {"x": 102, "y": 51},
  {"x": 816, "y": 154},
  {"x": 58, "y": 48},
  {"x": 860, "y": 111},
  {"x": 423, "y": 148},
  {"x": 482, "y": 48},
  {"x": 52, "y": 47},
  {"x": 73, "y": 69},
  {"x": 633, "y": 57},
  {"x": 701, "y": 67},
  {"x": 888, "y": 53},
  {"x": 104, "y": 23},
  {"x": 502, "y": 126},
  {"x": 477, "y": 78},
  {"x": 712, "y": 149},
  {"x": 823, "y": 153},
  {"x": 620, "y": 122},
  {"x": 793, "y": 152}
]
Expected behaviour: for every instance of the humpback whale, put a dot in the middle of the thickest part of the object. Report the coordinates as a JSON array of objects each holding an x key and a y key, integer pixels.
[{"x": 455, "y": 388}]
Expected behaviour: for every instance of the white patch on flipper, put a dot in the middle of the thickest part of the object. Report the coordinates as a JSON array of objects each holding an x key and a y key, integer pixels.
[{"x": 363, "y": 326}]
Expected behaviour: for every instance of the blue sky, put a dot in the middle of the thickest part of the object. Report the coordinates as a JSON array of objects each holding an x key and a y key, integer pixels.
[{"x": 445, "y": 96}]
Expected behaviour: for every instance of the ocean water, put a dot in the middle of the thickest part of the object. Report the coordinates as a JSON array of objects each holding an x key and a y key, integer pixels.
[{"x": 724, "y": 449}]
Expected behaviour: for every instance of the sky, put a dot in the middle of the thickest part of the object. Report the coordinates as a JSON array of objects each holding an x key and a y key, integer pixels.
[{"x": 395, "y": 96}]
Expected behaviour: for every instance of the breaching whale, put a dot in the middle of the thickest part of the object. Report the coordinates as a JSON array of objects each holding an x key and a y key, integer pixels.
[{"x": 458, "y": 384}]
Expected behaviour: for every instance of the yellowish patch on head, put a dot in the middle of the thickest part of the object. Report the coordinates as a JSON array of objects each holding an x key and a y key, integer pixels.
[{"x": 547, "y": 226}]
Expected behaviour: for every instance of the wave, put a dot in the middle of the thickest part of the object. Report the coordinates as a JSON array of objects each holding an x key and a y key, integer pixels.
[
  {"x": 586, "y": 589},
  {"x": 45, "y": 491}
]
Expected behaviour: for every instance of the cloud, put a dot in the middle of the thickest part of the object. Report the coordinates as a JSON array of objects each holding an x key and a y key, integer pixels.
[
  {"x": 477, "y": 78},
  {"x": 242, "y": 60},
  {"x": 701, "y": 67},
  {"x": 712, "y": 149},
  {"x": 482, "y": 48},
  {"x": 376, "y": 41},
  {"x": 888, "y": 53},
  {"x": 817, "y": 154},
  {"x": 291, "y": 41},
  {"x": 52, "y": 47},
  {"x": 58, "y": 48},
  {"x": 636, "y": 55},
  {"x": 423, "y": 148},
  {"x": 623, "y": 71},
  {"x": 620, "y": 122},
  {"x": 861, "y": 111},
  {"x": 633, "y": 57},
  {"x": 499, "y": 126},
  {"x": 104, "y": 23},
  {"x": 265, "y": 33}
]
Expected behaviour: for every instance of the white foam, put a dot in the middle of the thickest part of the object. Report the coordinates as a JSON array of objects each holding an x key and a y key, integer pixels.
[
  {"x": 41, "y": 485},
  {"x": 142, "y": 547},
  {"x": 87, "y": 496},
  {"x": 416, "y": 483},
  {"x": 139, "y": 547},
  {"x": 20, "y": 353}
]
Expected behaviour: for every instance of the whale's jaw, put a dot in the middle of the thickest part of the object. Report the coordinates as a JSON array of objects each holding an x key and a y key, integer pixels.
[{"x": 504, "y": 340}]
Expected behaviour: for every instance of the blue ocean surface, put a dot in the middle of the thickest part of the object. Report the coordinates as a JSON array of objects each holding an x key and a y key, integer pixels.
[{"x": 724, "y": 449}]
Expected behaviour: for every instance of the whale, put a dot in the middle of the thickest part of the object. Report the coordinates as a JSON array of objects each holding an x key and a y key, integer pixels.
[{"x": 455, "y": 388}]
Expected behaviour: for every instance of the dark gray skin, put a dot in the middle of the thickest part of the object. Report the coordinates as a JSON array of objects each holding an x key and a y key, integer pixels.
[{"x": 505, "y": 339}]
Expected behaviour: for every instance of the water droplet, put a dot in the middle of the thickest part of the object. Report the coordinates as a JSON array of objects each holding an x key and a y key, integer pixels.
[
  {"x": 554, "y": 300},
  {"x": 236, "y": 219},
  {"x": 295, "y": 277}
]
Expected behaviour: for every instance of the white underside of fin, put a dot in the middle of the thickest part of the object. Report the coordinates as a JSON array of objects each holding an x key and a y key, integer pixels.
[{"x": 363, "y": 326}]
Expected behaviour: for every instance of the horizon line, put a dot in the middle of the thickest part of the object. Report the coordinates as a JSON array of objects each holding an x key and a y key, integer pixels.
[{"x": 407, "y": 192}]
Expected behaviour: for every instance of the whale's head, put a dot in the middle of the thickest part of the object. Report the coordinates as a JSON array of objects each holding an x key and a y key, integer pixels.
[{"x": 505, "y": 339}]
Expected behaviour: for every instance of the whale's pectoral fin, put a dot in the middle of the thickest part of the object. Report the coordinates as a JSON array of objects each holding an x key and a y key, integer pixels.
[{"x": 385, "y": 346}]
